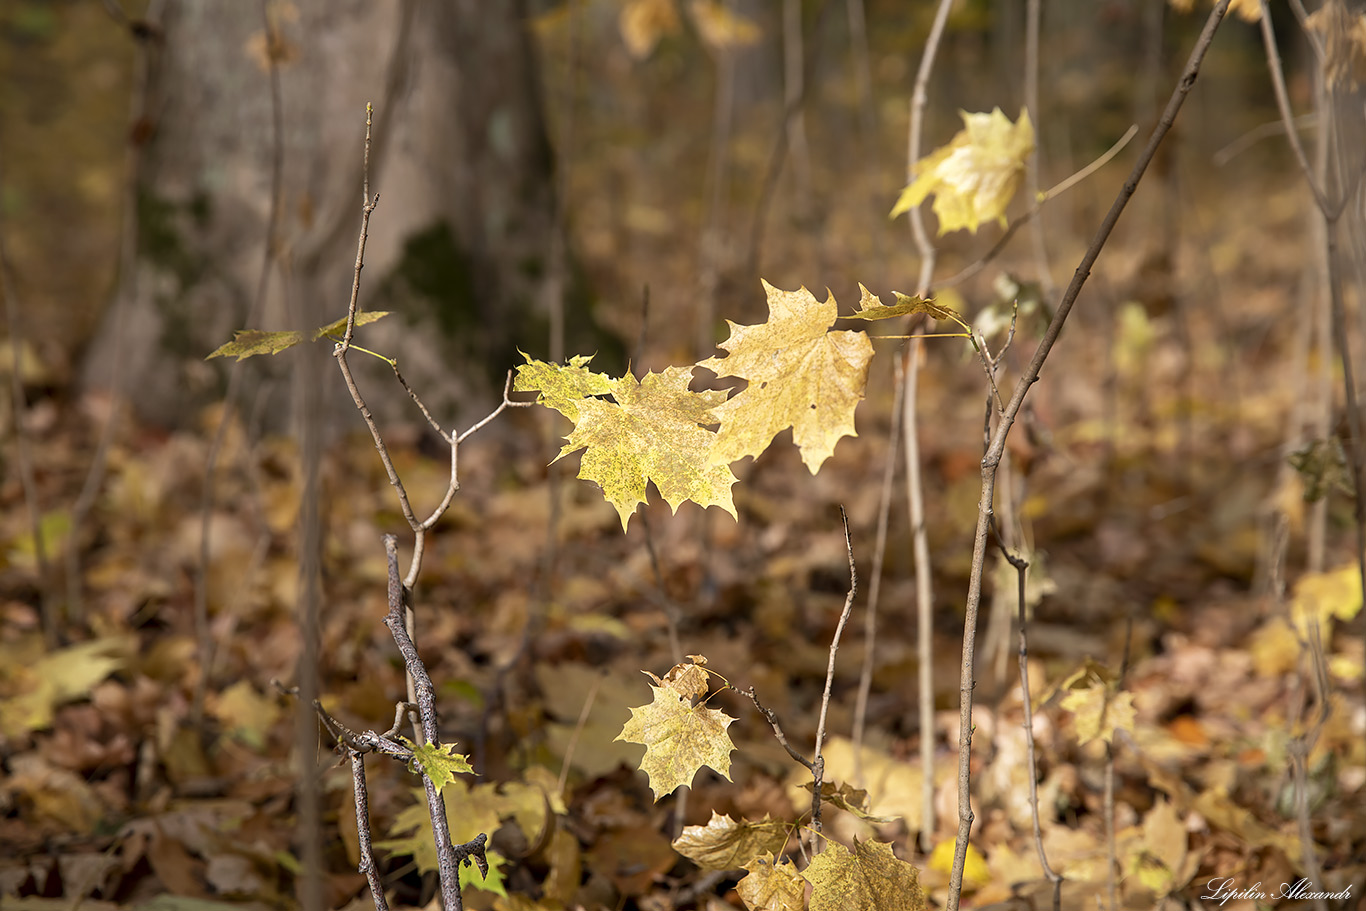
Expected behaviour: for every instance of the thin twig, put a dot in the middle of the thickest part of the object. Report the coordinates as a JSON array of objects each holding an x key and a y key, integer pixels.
[
  {"x": 1007, "y": 420},
  {"x": 1033, "y": 15},
  {"x": 884, "y": 510},
  {"x": 818, "y": 760},
  {"x": 47, "y": 605}
]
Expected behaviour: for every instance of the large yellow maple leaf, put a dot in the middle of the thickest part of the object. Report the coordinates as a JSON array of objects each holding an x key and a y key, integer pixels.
[
  {"x": 652, "y": 430},
  {"x": 975, "y": 176},
  {"x": 800, "y": 375},
  {"x": 870, "y": 876}
]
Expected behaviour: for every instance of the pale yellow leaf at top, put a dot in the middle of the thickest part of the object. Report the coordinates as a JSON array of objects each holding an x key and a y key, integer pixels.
[
  {"x": 871, "y": 878},
  {"x": 653, "y": 431},
  {"x": 722, "y": 28},
  {"x": 724, "y": 844},
  {"x": 1322, "y": 597},
  {"x": 679, "y": 739},
  {"x": 772, "y": 886},
  {"x": 1248, "y": 10},
  {"x": 801, "y": 375},
  {"x": 975, "y": 176},
  {"x": 1343, "y": 34},
  {"x": 643, "y": 22}
]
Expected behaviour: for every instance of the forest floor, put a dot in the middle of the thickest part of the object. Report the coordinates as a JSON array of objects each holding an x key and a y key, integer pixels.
[{"x": 149, "y": 761}]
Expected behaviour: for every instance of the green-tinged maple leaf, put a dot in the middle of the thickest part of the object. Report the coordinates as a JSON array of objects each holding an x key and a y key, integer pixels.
[
  {"x": 974, "y": 177},
  {"x": 338, "y": 327},
  {"x": 772, "y": 886},
  {"x": 440, "y": 762},
  {"x": 800, "y": 375},
  {"x": 679, "y": 739},
  {"x": 871, "y": 307},
  {"x": 653, "y": 431},
  {"x": 251, "y": 342},
  {"x": 561, "y": 386},
  {"x": 871, "y": 878},
  {"x": 724, "y": 844},
  {"x": 1099, "y": 707}
]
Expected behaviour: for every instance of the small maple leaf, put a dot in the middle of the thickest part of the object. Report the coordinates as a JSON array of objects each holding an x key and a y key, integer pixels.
[
  {"x": 440, "y": 762},
  {"x": 772, "y": 886},
  {"x": 679, "y": 739},
  {"x": 871, "y": 307},
  {"x": 800, "y": 375},
  {"x": 870, "y": 877},
  {"x": 724, "y": 844},
  {"x": 974, "y": 177},
  {"x": 690, "y": 680},
  {"x": 1098, "y": 706}
]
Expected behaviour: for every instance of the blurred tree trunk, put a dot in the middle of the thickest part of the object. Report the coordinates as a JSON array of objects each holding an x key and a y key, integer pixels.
[{"x": 458, "y": 244}]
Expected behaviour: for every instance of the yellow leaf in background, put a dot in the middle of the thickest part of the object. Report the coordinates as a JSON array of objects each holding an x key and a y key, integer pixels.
[
  {"x": 1098, "y": 708},
  {"x": 246, "y": 713},
  {"x": 870, "y": 877},
  {"x": 33, "y": 685},
  {"x": 1324, "y": 596},
  {"x": 679, "y": 739},
  {"x": 1344, "y": 43},
  {"x": 801, "y": 375},
  {"x": 720, "y": 27},
  {"x": 643, "y": 22},
  {"x": 55, "y": 528},
  {"x": 975, "y": 176},
  {"x": 975, "y": 872},
  {"x": 1274, "y": 648},
  {"x": 1163, "y": 850}
]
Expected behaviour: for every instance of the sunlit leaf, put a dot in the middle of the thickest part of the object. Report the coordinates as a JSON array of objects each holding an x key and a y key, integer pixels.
[
  {"x": 871, "y": 878},
  {"x": 800, "y": 375},
  {"x": 975, "y": 176},
  {"x": 643, "y": 23},
  {"x": 772, "y": 886},
  {"x": 724, "y": 844},
  {"x": 975, "y": 872}
]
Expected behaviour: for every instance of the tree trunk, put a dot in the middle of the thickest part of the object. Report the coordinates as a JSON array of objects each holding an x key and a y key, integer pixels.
[{"x": 458, "y": 245}]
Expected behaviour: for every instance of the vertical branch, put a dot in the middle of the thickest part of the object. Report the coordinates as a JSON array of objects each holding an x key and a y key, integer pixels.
[
  {"x": 1007, "y": 420},
  {"x": 914, "y": 490},
  {"x": 884, "y": 509},
  {"x": 818, "y": 760},
  {"x": 858, "y": 45},
  {"x": 1033, "y": 13},
  {"x": 48, "y": 614}
]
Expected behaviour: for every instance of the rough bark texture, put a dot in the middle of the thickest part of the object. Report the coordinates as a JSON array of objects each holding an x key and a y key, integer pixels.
[{"x": 458, "y": 244}]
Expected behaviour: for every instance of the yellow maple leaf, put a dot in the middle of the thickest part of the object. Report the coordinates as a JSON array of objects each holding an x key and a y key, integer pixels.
[
  {"x": 724, "y": 844},
  {"x": 975, "y": 176},
  {"x": 772, "y": 886},
  {"x": 869, "y": 877},
  {"x": 679, "y": 739},
  {"x": 653, "y": 430},
  {"x": 800, "y": 375},
  {"x": 1099, "y": 708}
]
